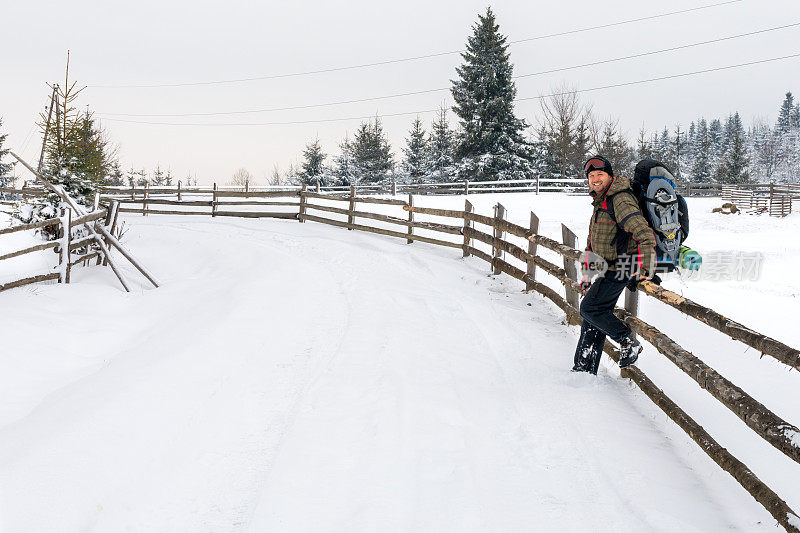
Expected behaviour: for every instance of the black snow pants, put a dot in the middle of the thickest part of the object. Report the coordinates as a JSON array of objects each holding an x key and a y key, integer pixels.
[{"x": 599, "y": 320}]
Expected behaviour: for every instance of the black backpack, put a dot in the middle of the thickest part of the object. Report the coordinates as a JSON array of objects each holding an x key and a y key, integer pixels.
[{"x": 653, "y": 186}]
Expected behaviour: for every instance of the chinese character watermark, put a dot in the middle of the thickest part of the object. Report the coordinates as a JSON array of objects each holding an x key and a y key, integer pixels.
[{"x": 713, "y": 266}]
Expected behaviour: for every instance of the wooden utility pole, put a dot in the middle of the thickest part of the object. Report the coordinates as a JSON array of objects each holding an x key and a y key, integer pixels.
[{"x": 47, "y": 125}]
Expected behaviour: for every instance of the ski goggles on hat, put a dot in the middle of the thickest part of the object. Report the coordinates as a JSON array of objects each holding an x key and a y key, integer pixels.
[{"x": 594, "y": 163}]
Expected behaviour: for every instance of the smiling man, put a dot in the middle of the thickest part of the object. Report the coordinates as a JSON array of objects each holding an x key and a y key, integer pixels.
[{"x": 617, "y": 231}]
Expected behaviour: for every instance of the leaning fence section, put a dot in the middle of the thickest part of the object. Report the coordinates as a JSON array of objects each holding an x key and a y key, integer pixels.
[{"x": 72, "y": 245}]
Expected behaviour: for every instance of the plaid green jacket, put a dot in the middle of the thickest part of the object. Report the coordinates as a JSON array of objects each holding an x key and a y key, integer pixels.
[{"x": 641, "y": 253}]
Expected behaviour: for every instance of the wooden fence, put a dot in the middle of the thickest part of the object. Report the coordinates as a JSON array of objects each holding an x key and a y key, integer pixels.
[
  {"x": 784, "y": 436},
  {"x": 543, "y": 185},
  {"x": 70, "y": 240},
  {"x": 539, "y": 185},
  {"x": 766, "y": 198},
  {"x": 492, "y": 239}
]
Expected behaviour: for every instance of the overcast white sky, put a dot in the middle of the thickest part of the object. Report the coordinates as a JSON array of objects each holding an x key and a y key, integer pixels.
[{"x": 157, "y": 42}]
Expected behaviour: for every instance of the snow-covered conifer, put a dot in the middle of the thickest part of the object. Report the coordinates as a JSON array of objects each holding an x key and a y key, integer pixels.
[
  {"x": 415, "y": 164},
  {"x": 313, "y": 171},
  {"x": 441, "y": 146},
  {"x": 734, "y": 165},
  {"x": 491, "y": 145},
  {"x": 372, "y": 155},
  {"x": 344, "y": 170}
]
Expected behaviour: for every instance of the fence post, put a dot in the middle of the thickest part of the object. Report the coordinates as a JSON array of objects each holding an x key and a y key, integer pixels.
[
  {"x": 246, "y": 186},
  {"x": 96, "y": 201},
  {"x": 394, "y": 187},
  {"x": 632, "y": 303},
  {"x": 410, "y": 218},
  {"x": 67, "y": 258},
  {"x": 771, "y": 194},
  {"x": 532, "y": 251},
  {"x": 499, "y": 214},
  {"x": 350, "y": 218},
  {"x": 537, "y": 183},
  {"x": 214, "y": 200},
  {"x": 145, "y": 198},
  {"x": 179, "y": 190},
  {"x": 302, "y": 212},
  {"x": 115, "y": 208},
  {"x": 318, "y": 187},
  {"x": 133, "y": 190},
  {"x": 466, "y": 187},
  {"x": 571, "y": 240},
  {"x": 107, "y": 223},
  {"x": 467, "y": 226}
]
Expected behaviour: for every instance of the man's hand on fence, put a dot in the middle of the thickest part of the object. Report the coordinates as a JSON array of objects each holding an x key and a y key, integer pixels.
[
  {"x": 585, "y": 284},
  {"x": 637, "y": 278}
]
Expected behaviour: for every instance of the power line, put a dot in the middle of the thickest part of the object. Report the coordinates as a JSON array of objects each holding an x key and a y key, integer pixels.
[
  {"x": 343, "y": 119},
  {"x": 404, "y": 59},
  {"x": 427, "y": 91},
  {"x": 290, "y": 108},
  {"x": 661, "y": 78},
  {"x": 317, "y": 121},
  {"x": 663, "y": 50}
]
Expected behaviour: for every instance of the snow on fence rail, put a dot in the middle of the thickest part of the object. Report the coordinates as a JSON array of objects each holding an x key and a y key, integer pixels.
[
  {"x": 69, "y": 240},
  {"x": 96, "y": 239},
  {"x": 491, "y": 245}
]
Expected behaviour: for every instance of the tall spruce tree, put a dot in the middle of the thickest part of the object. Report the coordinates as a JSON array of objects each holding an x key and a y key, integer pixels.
[
  {"x": 785, "y": 115},
  {"x": 344, "y": 169},
  {"x": 491, "y": 145},
  {"x": 734, "y": 164},
  {"x": 313, "y": 171},
  {"x": 701, "y": 153},
  {"x": 441, "y": 146},
  {"x": 77, "y": 155},
  {"x": 93, "y": 155},
  {"x": 416, "y": 159},
  {"x": 372, "y": 155}
]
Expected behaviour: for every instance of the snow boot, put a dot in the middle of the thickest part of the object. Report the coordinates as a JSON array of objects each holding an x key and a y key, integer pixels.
[{"x": 629, "y": 350}]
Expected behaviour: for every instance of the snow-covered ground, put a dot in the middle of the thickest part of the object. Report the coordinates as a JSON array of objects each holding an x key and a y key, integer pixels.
[{"x": 300, "y": 377}]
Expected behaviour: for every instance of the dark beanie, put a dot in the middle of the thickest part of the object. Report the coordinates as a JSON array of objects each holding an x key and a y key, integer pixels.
[{"x": 605, "y": 167}]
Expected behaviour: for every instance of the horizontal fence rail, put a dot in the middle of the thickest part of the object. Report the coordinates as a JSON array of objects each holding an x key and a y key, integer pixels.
[{"x": 65, "y": 227}]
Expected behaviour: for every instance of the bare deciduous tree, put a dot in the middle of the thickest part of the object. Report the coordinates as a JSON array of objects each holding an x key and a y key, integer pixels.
[
  {"x": 276, "y": 178},
  {"x": 565, "y": 128},
  {"x": 609, "y": 141},
  {"x": 241, "y": 178}
]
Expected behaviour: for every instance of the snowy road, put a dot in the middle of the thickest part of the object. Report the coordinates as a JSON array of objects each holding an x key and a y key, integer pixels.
[{"x": 294, "y": 377}]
